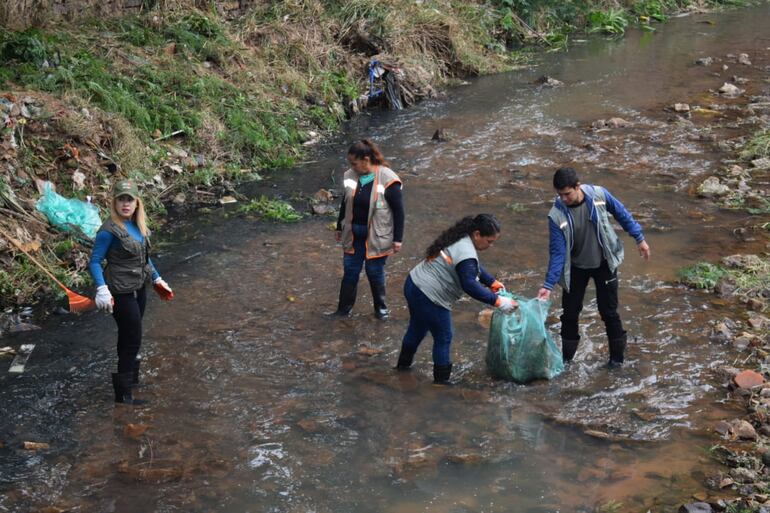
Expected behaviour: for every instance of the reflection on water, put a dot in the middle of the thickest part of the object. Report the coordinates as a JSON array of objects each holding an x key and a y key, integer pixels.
[{"x": 259, "y": 404}]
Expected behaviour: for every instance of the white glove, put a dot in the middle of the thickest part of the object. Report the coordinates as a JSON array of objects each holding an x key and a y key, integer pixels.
[
  {"x": 103, "y": 298},
  {"x": 162, "y": 283},
  {"x": 506, "y": 304}
]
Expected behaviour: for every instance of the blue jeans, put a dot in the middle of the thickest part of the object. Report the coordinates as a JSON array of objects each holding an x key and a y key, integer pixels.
[
  {"x": 353, "y": 263},
  {"x": 425, "y": 316}
]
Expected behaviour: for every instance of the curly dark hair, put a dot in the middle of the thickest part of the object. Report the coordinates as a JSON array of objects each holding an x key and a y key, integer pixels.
[{"x": 486, "y": 224}]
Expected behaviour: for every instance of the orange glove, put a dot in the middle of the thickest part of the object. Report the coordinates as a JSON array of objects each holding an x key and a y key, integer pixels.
[
  {"x": 496, "y": 286},
  {"x": 163, "y": 290}
]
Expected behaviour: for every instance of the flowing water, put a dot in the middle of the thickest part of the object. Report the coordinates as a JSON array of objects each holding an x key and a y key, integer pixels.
[{"x": 259, "y": 404}]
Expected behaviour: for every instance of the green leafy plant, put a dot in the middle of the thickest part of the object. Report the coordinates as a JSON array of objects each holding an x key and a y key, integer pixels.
[
  {"x": 702, "y": 275},
  {"x": 612, "y": 21},
  {"x": 271, "y": 209}
]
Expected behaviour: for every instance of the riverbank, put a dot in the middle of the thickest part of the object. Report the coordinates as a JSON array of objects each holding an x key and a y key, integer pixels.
[{"x": 191, "y": 103}]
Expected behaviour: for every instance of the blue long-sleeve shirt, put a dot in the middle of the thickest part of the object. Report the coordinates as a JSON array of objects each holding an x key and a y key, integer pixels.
[
  {"x": 558, "y": 244},
  {"x": 467, "y": 271},
  {"x": 104, "y": 241}
]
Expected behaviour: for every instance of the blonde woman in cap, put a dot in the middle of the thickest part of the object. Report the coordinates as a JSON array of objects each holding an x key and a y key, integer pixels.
[{"x": 123, "y": 241}]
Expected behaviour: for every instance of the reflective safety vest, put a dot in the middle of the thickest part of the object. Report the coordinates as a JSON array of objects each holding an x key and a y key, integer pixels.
[
  {"x": 611, "y": 245},
  {"x": 379, "y": 240}
]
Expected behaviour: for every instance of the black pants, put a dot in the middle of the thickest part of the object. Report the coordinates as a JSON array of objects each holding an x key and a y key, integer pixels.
[
  {"x": 606, "y": 297},
  {"x": 128, "y": 311}
]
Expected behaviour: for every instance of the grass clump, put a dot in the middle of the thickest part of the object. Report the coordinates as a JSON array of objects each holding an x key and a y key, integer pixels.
[
  {"x": 757, "y": 147},
  {"x": 271, "y": 209},
  {"x": 702, "y": 275}
]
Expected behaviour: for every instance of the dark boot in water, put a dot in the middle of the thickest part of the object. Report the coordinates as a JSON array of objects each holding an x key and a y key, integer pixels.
[
  {"x": 378, "y": 298},
  {"x": 441, "y": 374},
  {"x": 617, "y": 350},
  {"x": 405, "y": 359},
  {"x": 122, "y": 385},
  {"x": 568, "y": 349},
  {"x": 347, "y": 299},
  {"x": 135, "y": 373}
]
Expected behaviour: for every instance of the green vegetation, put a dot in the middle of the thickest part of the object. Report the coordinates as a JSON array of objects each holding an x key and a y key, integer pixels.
[
  {"x": 701, "y": 275},
  {"x": 748, "y": 275},
  {"x": 757, "y": 147},
  {"x": 271, "y": 210}
]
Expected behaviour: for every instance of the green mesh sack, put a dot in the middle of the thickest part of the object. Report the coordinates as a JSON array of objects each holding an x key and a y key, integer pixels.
[{"x": 520, "y": 348}]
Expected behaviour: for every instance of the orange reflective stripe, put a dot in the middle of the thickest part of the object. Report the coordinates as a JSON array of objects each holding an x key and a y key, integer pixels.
[{"x": 446, "y": 257}]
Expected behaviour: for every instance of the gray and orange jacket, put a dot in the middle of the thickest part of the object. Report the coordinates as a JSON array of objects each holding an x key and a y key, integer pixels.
[{"x": 380, "y": 226}]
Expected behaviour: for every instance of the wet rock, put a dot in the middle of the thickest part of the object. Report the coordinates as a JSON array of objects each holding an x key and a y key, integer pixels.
[
  {"x": 759, "y": 322},
  {"x": 743, "y": 475},
  {"x": 135, "y": 430},
  {"x": 322, "y": 209},
  {"x": 721, "y": 334},
  {"x": 723, "y": 427},
  {"x": 740, "y": 80},
  {"x": 20, "y": 327},
  {"x": 442, "y": 135},
  {"x": 766, "y": 457},
  {"x": 743, "y": 58},
  {"x": 741, "y": 342},
  {"x": 466, "y": 458},
  {"x": 755, "y": 304},
  {"x": 711, "y": 188},
  {"x": 35, "y": 446},
  {"x": 696, "y": 507},
  {"x": 748, "y": 379},
  {"x": 704, "y": 61},
  {"x": 369, "y": 351},
  {"x": 743, "y": 430},
  {"x": 681, "y": 107},
  {"x": 309, "y": 425},
  {"x": 617, "y": 123},
  {"x": 730, "y": 90},
  {"x": 547, "y": 81}
]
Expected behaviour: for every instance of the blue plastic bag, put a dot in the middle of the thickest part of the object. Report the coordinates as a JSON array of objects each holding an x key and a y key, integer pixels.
[
  {"x": 69, "y": 214},
  {"x": 520, "y": 347}
]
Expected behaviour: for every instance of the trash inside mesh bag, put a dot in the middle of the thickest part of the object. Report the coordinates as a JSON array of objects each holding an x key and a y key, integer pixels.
[
  {"x": 69, "y": 214},
  {"x": 520, "y": 347}
]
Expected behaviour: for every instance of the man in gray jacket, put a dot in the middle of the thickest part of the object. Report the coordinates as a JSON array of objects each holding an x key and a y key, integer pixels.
[{"x": 584, "y": 246}]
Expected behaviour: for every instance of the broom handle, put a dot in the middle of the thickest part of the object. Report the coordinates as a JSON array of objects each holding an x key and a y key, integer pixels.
[{"x": 42, "y": 268}]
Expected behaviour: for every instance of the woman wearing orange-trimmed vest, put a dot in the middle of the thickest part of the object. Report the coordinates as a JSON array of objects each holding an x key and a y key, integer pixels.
[{"x": 370, "y": 224}]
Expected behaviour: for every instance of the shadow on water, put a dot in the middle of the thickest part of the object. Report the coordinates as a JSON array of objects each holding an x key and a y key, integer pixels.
[{"x": 259, "y": 404}]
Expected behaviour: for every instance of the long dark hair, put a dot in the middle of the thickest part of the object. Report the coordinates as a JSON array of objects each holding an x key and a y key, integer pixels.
[
  {"x": 486, "y": 224},
  {"x": 366, "y": 148}
]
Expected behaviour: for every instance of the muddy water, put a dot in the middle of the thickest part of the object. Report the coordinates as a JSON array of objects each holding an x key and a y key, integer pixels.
[{"x": 259, "y": 404}]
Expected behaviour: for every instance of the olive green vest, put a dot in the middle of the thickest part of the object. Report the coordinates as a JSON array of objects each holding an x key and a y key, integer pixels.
[
  {"x": 612, "y": 246},
  {"x": 379, "y": 241},
  {"x": 127, "y": 268}
]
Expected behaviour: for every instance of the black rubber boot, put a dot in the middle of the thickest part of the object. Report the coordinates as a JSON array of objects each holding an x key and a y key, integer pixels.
[
  {"x": 568, "y": 349},
  {"x": 135, "y": 373},
  {"x": 441, "y": 374},
  {"x": 617, "y": 349},
  {"x": 405, "y": 359},
  {"x": 122, "y": 385},
  {"x": 347, "y": 299},
  {"x": 378, "y": 297}
]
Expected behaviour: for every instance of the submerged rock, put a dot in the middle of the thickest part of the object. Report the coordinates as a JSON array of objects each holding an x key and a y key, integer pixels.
[
  {"x": 711, "y": 187},
  {"x": 696, "y": 507},
  {"x": 704, "y": 61},
  {"x": 547, "y": 81},
  {"x": 730, "y": 90},
  {"x": 442, "y": 135},
  {"x": 743, "y": 58}
]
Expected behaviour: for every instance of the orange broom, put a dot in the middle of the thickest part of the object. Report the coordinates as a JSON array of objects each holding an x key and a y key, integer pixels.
[{"x": 77, "y": 303}]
